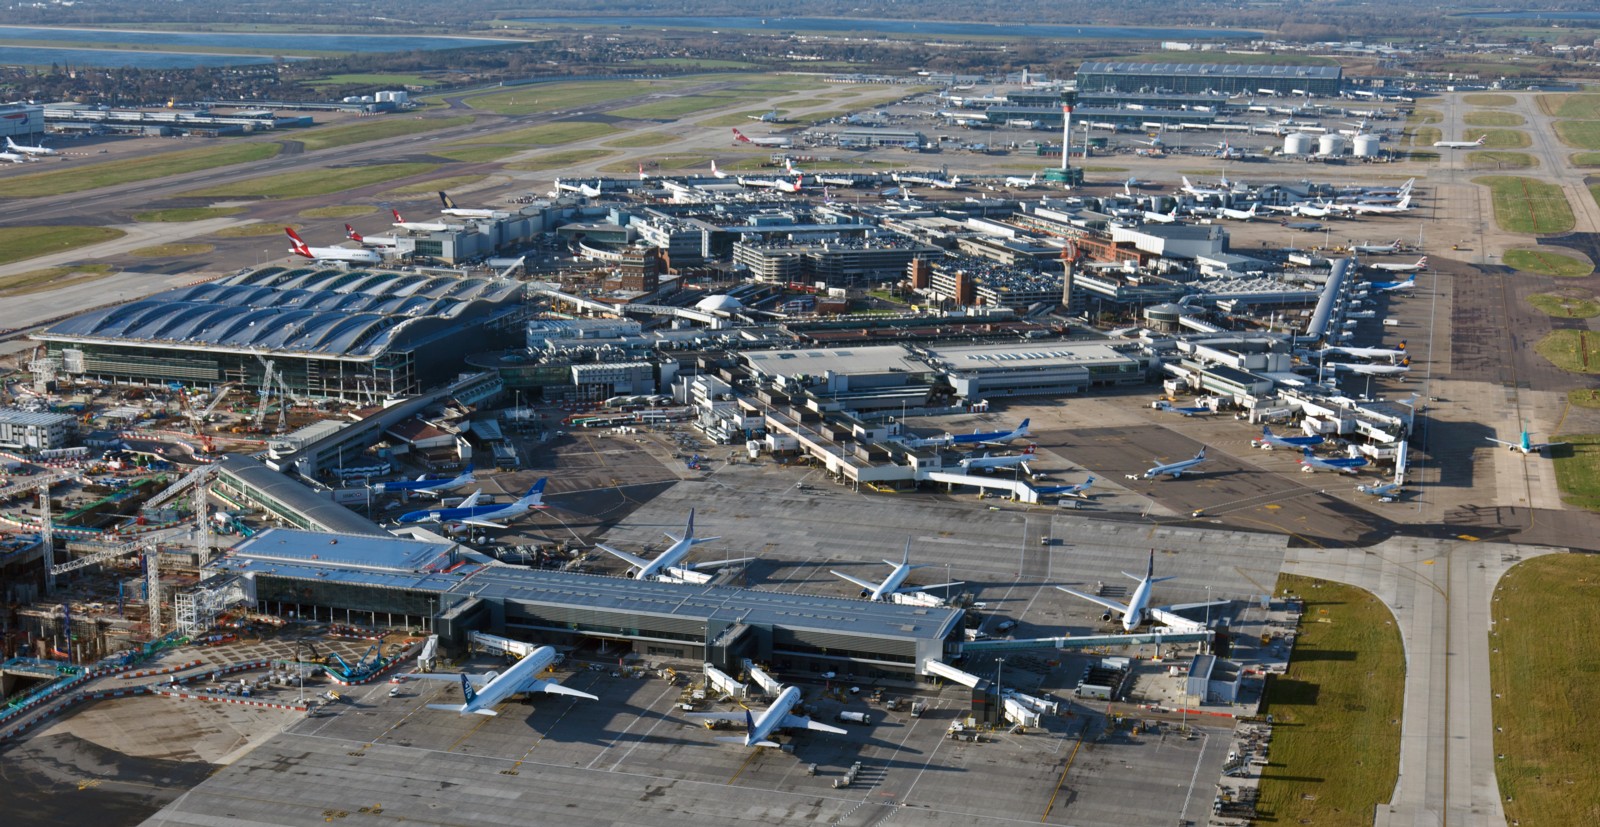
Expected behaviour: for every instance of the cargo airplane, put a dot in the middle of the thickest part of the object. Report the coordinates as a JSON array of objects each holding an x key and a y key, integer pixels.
[
  {"x": 666, "y": 564},
  {"x": 481, "y": 693},
  {"x": 340, "y": 254}
]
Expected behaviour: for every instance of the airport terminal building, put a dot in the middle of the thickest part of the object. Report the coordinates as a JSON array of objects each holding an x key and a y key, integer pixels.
[
  {"x": 1102, "y": 76},
  {"x": 388, "y": 581},
  {"x": 331, "y": 333}
]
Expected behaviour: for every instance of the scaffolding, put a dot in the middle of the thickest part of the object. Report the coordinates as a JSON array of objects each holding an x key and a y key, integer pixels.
[
  {"x": 106, "y": 552},
  {"x": 152, "y": 589},
  {"x": 195, "y": 611},
  {"x": 47, "y": 538}
]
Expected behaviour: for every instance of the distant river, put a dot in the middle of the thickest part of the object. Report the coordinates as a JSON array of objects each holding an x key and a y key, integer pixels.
[
  {"x": 899, "y": 27},
  {"x": 220, "y": 44}
]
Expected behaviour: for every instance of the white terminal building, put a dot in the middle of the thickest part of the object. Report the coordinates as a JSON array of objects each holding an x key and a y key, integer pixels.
[
  {"x": 31, "y": 431},
  {"x": 990, "y": 371}
]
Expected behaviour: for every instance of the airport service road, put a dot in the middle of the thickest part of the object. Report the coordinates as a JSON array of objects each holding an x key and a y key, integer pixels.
[
  {"x": 1555, "y": 164},
  {"x": 1440, "y": 593}
]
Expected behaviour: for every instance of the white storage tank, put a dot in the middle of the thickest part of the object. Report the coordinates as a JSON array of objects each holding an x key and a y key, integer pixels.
[
  {"x": 1298, "y": 143},
  {"x": 1330, "y": 144},
  {"x": 1366, "y": 146}
]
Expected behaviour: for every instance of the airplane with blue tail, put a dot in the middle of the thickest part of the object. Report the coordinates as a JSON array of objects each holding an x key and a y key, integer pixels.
[
  {"x": 1270, "y": 440},
  {"x": 1310, "y": 462},
  {"x": 425, "y": 485},
  {"x": 482, "y": 515},
  {"x": 1525, "y": 445},
  {"x": 990, "y": 438}
]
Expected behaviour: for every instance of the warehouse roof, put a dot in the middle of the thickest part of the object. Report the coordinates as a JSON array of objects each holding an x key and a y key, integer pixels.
[{"x": 1254, "y": 70}]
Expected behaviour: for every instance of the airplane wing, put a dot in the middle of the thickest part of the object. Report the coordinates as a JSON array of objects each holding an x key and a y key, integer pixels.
[
  {"x": 717, "y": 564},
  {"x": 1109, "y": 604},
  {"x": 802, "y": 722},
  {"x": 553, "y": 688},
  {"x": 1540, "y": 446},
  {"x": 736, "y": 717},
  {"x": 472, "y": 500},
  {"x": 856, "y": 580},
  {"x": 636, "y": 562},
  {"x": 483, "y": 523},
  {"x": 1503, "y": 442},
  {"x": 937, "y": 586},
  {"x": 453, "y": 677},
  {"x": 1184, "y": 607}
]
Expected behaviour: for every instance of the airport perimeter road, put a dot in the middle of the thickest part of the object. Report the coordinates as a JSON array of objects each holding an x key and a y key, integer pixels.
[{"x": 1440, "y": 593}]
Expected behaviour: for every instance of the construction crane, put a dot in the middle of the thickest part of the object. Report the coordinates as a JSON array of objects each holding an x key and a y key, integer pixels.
[
  {"x": 266, "y": 390},
  {"x": 196, "y": 477},
  {"x": 205, "y": 416},
  {"x": 113, "y": 551}
]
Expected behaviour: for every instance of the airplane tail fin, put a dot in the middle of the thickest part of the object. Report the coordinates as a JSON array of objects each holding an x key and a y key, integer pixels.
[
  {"x": 1022, "y": 430},
  {"x": 749, "y": 720},
  {"x": 1150, "y": 568},
  {"x": 300, "y": 247},
  {"x": 1422, "y": 264},
  {"x": 350, "y": 233},
  {"x": 467, "y": 692},
  {"x": 739, "y": 136},
  {"x": 397, "y": 217},
  {"x": 535, "y": 495},
  {"x": 445, "y": 199},
  {"x": 1402, "y": 344}
]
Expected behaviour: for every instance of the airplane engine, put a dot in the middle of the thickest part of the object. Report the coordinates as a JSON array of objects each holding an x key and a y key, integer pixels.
[
  {"x": 866, "y": 593},
  {"x": 1106, "y": 617}
]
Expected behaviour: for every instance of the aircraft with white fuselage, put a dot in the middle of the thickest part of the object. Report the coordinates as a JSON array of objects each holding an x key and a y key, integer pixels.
[
  {"x": 1018, "y": 182},
  {"x": 1192, "y": 410},
  {"x": 773, "y": 718},
  {"x": 770, "y": 141},
  {"x": 1270, "y": 440},
  {"x": 990, "y": 438},
  {"x": 1138, "y": 611},
  {"x": 1079, "y": 491},
  {"x": 13, "y": 146},
  {"x": 1390, "y": 267},
  {"x": 1386, "y": 492},
  {"x": 380, "y": 242},
  {"x": 1364, "y": 369},
  {"x": 484, "y": 516},
  {"x": 481, "y": 693},
  {"x": 426, "y": 486},
  {"x": 1377, "y": 249},
  {"x": 992, "y": 464},
  {"x": 1525, "y": 445},
  {"x": 14, "y": 158},
  {"x": 666, "y": 565},
  {"x": 337, "y": 254},
  {"x": 1460, "y": 144},
  {"x": 421, "y": 226},
  {"x": 1311, "y": 463},
  {"x": 1172, "y": 469},
  {"x": 891, "y": 585},
  {"x": 450, "y": 208}
]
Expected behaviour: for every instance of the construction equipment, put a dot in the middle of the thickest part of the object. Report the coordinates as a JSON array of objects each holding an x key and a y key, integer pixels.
[{"x": 112, "y": 551}]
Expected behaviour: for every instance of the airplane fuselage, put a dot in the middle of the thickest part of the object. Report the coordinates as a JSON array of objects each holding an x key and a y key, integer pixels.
[
  {"x": 772, "y": 717},
  {"x": 507, "y": 683}
]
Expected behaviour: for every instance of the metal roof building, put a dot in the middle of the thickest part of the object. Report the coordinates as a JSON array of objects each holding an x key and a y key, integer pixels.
[
  {"x": 365, "y": 579},
  {"x": 331, "y": 332},
  {"x": 1191, "y": 78}
]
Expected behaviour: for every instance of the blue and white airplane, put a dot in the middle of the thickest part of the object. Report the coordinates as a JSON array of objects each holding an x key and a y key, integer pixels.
[
  {"x": 1270, "y": 440},
  {"x": 990, "y": 438},
  {"x": 1527, "y": 446},
  {"x": 482, "y": 515},
  {"x": 1081, "y": 490},
  {"x": 1385, "y": 492},
  {"x": 666, "y": 564},
  {"x": 773, "y": 718},
  {"x": 1391, "y": 286},
  {"x": 1310, "y": 463},
  {"x": 424, "y": 485},
  {"x": 481, "y": 693},
  {"x": 1195, "y": 410},
  {"x": 1173, "y": 469}
]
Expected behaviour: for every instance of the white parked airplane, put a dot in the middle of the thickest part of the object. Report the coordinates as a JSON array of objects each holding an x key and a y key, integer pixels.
[
  {"x": 770, "y": 117},
  {"x": 1173, "y": 469},
  {"x": 1377, "y": 249},
  {"x": 666, "y": 564},
  {"x": 991, "y": 437},
  {"x": 1390, "y": 267},
  {"x": 1269, "y": 440},
  {"x": 450, "y": 208},
  {"x": 1194, "y": 190},
  {"x": 29, "y": 150},
  {"x": 1460, "y": 144},
  {"x": 480, "y": 693},
  {"x": 344, "y": 254},
  {"x": 14, "y": 158},
  {"x": 1363, "y": 352},
  {"x": 772, "y": 718},
  {"x": 891, "y": 584},
  {"x": 772, "y": 141},
  {"x": 717, "y": 173},
  {"x": 1391, "y": 286},
  {"x": 470, "y": 513},
  {"x": 1525, "y": 445},
  {"x": 1385, "y": 492},
  {"x": 420, "y": 226},
  {"x": 1136, "y": 611},
  {"x": 1403, "y": 205},
  {"x": 794, "y": 186},
  {"x": 1240, "y": 215},
  {"x": 1193, "y": 410},
  {"x": 1372, "y": 370},
  {"x": 1022, "y": 183},
  {"x": 1080, "y": 491},
  {"x": 377, "y": 241},
  {"x": 993, "y": 464}
]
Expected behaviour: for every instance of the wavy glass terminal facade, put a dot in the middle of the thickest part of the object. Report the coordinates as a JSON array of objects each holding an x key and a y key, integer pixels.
[{"x": 346, "y": 334}]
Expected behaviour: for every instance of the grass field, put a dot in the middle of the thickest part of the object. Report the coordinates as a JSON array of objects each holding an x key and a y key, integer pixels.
[
  {"x": 1584, "y": 397},
  {"x": 128, "y": 170},
  {"x": 373, "y": 79},
  {"x": 1547, "y": 262},
  {"x": 1492, "y": 118},
  {"x": 1574, "y": 351},
  {"x": 341, "y": 211},
  {"x": 1542, "y": 664},
  {"x": 1578, "y": 476},
  {"x": 1577, "y": 107},
  {"x": 51, "y": 278},
  {"x": 19, "y": 243},
  {"x": 667, "y": 109},
  {"x": 259, "y": 229},
  {"x": 1490, "y": 100},
  {"x": 1426, "y": 156},
  {"x": 1579, "y": 134},
  {"x": 547, "y": 97},
  {"x": 1482, "y": 159},
  {"x": 643, "y": 139},
  {"x": 1425, "y": 136},
  {"x": 1424, "y": 116},
  {"x": 176, "y": 214},
  {"x": 703, "y": 63},
  {"x": 1565, "y": 307},
  {"x": 1499, "y": 138},
  {"x": 313, "y": 182},
  {"x": 1527, "y": 205},
  {"x": 740, "y": 118},
  {"x": 434, "y": 185},
  {"x": 1586, "y": 159},
  {"x": 172, "y": 250},
  {"x": 1336, "y": 713},
  {"x": 559, "y": 160},
  {"x": 477, "y": 154},
  {"x": 549, "y": 134},
  {"x": 377, "y": 129}
]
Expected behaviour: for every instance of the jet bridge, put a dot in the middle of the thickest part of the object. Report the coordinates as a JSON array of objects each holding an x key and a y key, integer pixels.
[
  {"x": 1084, "y": 642},
  {"x": 1017, "y": 489}
]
